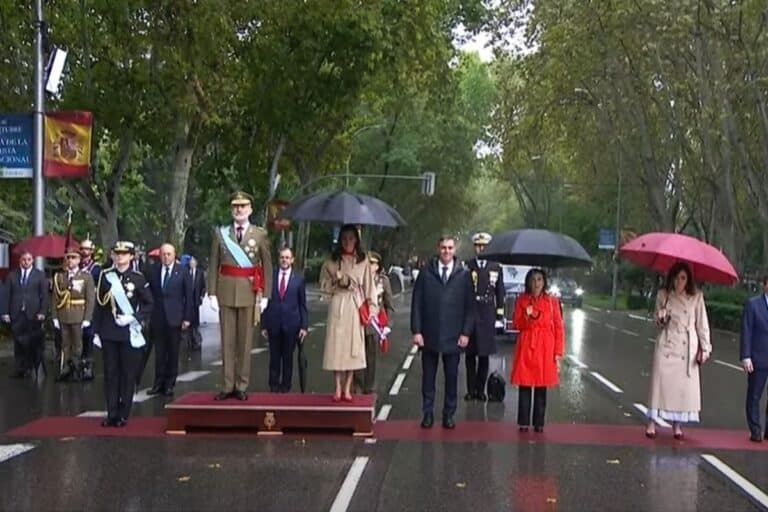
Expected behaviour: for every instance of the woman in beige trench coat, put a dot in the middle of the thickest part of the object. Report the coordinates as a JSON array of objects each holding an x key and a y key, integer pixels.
[
  {"x": 348, "y": 279},
  {"x": 682, "y": 345}
]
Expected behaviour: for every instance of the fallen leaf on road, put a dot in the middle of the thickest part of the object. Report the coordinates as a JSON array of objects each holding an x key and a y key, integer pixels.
[
  {"x": 613, "y": 461},
  {"x": 461, "y": 485},
  {"x": 551, "y": 500},
  {"x": 215, "y": 465},
  {"x": 68, "y": 438},
  {"x": 184, "y": 478},
  {"x": 627, "y": 414}
]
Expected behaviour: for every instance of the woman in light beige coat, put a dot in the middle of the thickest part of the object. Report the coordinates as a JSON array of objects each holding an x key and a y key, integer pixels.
[
  {"x": 682, "y": 345},
  {"x": 348, "y": 279}
]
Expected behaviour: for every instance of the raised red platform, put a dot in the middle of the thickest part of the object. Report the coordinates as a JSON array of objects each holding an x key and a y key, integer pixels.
[{"x": 271, "y": 413}]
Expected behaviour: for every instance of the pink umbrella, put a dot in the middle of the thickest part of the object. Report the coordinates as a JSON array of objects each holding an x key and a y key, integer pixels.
[{"x": 659, "y": 251}]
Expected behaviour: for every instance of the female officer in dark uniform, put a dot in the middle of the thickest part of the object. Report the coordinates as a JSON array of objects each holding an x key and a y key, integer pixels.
[{"x": 123, "y": 303}]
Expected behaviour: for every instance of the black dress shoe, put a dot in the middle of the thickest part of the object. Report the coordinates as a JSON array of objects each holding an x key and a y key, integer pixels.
[
  {"x": 168, "y": 391},
  {"x": 240, "y": 395},
  {"x": 755, "y": 438},
  {"x": 222, "y": 395},
  {"x": 155, "y": 390},
  {"x": 469, "y": 397},
  {"x": 109, "y": 422},
  {"x": 482, "y": 397},
  {"x": 428, "y": 420},
  {"x": 522, "y": 428},
  {"x": 538, "y": 429},
  {"x": 449, "y": 423},
  {"x": 121, "y": 422}
]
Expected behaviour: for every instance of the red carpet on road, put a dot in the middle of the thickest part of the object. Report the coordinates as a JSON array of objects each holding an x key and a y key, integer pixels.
[
  {"x": 275, "y": 400},
  {"x": 409, "y": 430}
]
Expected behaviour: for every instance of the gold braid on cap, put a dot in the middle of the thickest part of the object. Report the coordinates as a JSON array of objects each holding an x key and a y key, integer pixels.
[{"x": 65, "y": 294}]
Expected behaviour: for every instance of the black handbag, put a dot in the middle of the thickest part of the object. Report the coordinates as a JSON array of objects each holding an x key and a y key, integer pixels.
[{"x": 497, "y": 387}]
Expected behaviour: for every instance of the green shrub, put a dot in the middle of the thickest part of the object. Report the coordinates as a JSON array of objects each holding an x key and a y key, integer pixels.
[
  {"x": 724, "y": 315},
  {"x": 639, "y": 302},
  {"x": 312, "y": 269},
  {"x": 727, "y": 295}
]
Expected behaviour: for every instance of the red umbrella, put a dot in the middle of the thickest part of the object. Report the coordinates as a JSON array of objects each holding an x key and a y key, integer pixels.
[
  {"x": 659, "y": 251},
  {"x": 47, "y": 246}
]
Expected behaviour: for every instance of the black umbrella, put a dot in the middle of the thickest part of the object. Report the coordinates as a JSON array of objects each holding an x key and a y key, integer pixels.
[
  {"x": 536, "y": 247},
  {"x": 343, "y": 207}
]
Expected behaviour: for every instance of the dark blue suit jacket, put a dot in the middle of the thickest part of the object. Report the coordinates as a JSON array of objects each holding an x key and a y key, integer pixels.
[
  {"x": 174, "y": 303},
  {"x": 754, "y": 332},
  {"x": 287, "y": 314}
]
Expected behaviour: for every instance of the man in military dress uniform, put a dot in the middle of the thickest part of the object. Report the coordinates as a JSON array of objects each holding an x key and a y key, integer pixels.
[
  {"x": 87, "y": 263},
  {"x": 123, "y": 303},
  {"x": 488, "y": 305},
  {"x": 72, "y": 310},
  {"x": 239, "y": 276}
]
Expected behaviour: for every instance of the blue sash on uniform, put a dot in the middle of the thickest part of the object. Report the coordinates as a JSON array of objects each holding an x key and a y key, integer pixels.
[
  {"x": 237, "y": 252},
  {"x": 118, "y": 293}
]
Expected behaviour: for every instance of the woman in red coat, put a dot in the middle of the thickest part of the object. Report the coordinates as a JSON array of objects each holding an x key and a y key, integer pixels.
[{"x": 540, "y": 344}]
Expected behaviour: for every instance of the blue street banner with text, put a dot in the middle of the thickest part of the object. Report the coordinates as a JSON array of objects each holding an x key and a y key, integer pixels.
[{"x": 15, "y": 145}]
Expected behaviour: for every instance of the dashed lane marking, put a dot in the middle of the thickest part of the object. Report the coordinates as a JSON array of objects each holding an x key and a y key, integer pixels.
[
  {"x": 593, "y": 320},
  {"x": 414, "y": 349},
  {"x": 610, "y": 326},
  {"x": 8, "y": 451},
  {"x": 729, "y": 365},
  {"x": 395, "y": 389},
  {"x": 638, "y": 317},
  {"x": 593, "y": 308},
  {"x": 754, "y": 493},
  {"x": 574, "y": 360},
  {"x": 408, "y": 362},
  {"x": 652, "y": 340},
  {"x": 190, "y": 376},
  {"x": 347, "y": 490},
  {"x": 384, "y": 412},
  {"x": 631, "y": 333},
  {"x": 217, "y": 363},
  {"x": 607, "y": 383},
  {"x": 258, "y": 350},
  {"x": 659, "y": 421}
]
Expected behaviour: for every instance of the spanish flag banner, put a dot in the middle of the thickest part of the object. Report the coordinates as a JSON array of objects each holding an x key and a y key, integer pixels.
[{"x": 67, "y": 144}]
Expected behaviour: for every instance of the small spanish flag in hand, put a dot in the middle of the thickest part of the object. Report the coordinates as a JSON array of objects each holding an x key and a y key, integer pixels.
[{"x": 67, "y": 144}]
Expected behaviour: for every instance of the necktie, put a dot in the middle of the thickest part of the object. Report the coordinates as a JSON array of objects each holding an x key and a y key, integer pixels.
[
  {"x": 24, "y": 277},
  {"x": 281, "y": 289},
  {"x": 166, "y": 276},
  {"x": 239, "y": 233},
  {"x": 445, "y": 274}
]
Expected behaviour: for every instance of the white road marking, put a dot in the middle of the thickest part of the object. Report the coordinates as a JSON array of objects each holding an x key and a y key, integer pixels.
[
  {"x": 310, "y": 329},
  {"x": 190, "y": 376},
  {"x": 631, "y": 333},
  {"x": 609, "y": 326},
  {"x": 142, "y": 396},
  {"x": 344, "y": 496},
  {"x": 93, "y": 414},
  {"x": 8, "y": 451},
  {"x": 659, "y": 421},
  {"x": 319, "y": 324},
  {"x": 652, "y": 340},
  {"x": 593, "y": 320},
  {"x": 593, "y": 308},
  {"x": 610, "y": 385},
  {"x": 575, "y": 361},
  {"x": 217, "y": 363},
  {"x": 414, "y": 349},
  {"x": 638, "y": 317},
  {"x": 258, "y": 350},
  {"x": 384, "y": 412},
  {"x": 729, "y": 365},
  {"x": 750, "y": 489},
  {"x": 395, "y": 389},
  {"x": 408, "y": 362}
]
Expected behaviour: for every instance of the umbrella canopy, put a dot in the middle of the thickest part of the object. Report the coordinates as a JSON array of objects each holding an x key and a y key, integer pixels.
[
  {"x": 343, "y": 207},
  {"x": 536, "y": 247},
  {"x": 46, "y": 246},
  {"x": 659, "y": 251}
]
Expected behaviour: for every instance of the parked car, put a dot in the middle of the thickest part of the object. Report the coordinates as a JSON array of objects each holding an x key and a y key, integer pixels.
[
  {"x": 514, "y": 285},
  {"x": 567, "y": 290}
]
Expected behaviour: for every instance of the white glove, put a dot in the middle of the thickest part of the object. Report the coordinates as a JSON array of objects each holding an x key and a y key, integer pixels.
[
  {"x": 263, "y": 304},
  {"x": 214, "y": 302},
  {"x": 96, "y": 340},
  {"x": 123, "y": 320},
  {"x": 56, "y": 324},
  {"x": 86, "y": 324},
  {"x": 137, "y": 343},
  {"x": 6, "y": 319}
]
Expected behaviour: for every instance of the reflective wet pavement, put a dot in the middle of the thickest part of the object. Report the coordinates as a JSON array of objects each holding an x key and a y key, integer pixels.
[{"x": 488, "y": 469}]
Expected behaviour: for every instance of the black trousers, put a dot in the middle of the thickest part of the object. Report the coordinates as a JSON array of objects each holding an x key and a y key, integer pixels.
[
  {"x": 87, "y": 342},
  {"x": 365, "y": 379},
  {"x": 429, "y": 361},
  {"x": 120, "y": 363},
  {"x": 755, "y": 386},
  {"x": 281, "y": 347},
  {"x": 477, "y": 373},
  {"x": 28, "y": 339},
  {"x": 524, "y": 406},
  {"x": 167, "y": 340}
]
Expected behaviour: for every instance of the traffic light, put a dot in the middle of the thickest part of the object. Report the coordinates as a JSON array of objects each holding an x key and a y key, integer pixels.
[{"x": 428, "y": 183}]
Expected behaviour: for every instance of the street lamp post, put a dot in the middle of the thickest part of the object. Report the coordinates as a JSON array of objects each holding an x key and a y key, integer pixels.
[
  {"x": 37, "y": 147},
  {"x": 615, "y": 279}
]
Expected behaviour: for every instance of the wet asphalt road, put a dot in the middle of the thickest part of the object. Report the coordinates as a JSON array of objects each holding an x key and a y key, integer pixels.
[{"x": 484, "y": 471}]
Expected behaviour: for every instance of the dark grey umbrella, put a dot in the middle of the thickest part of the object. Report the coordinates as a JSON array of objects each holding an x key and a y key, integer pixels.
[
  {"x": 536, "y": 247},
  {"x": 343, "y": 207}
]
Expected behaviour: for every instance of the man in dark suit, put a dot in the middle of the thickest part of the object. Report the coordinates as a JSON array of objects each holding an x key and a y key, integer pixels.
[
  {"x": 441, "y": 322},
  {"x": 171, "y": 287},
  {"x": 25, "y": 304},
  {"x": 284, "y": 322},
  {"x": 753, "y": 349},
  {"x": 195, "y": 341}
]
